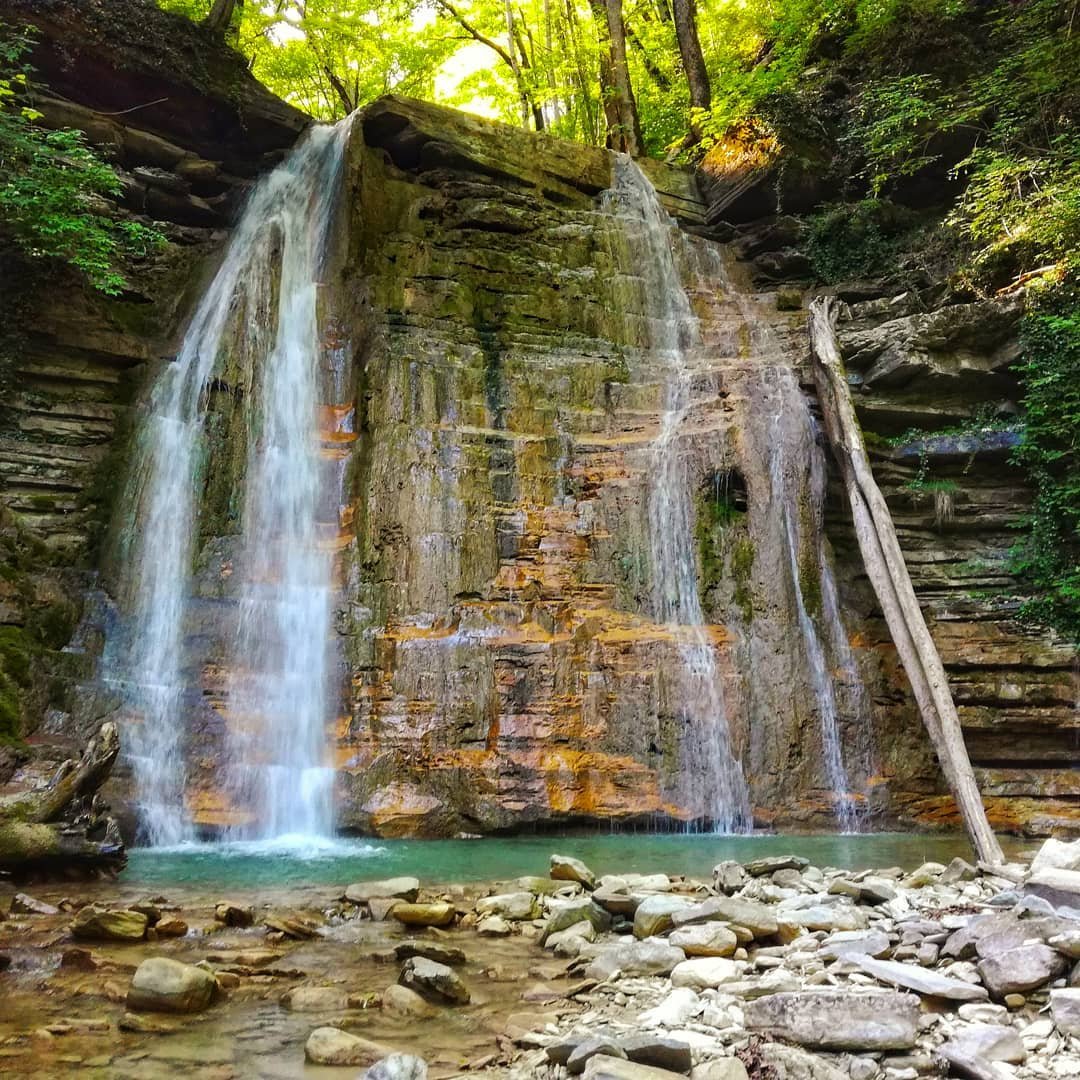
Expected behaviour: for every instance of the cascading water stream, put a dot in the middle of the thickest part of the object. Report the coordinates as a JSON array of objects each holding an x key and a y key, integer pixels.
[
  {"x": 792, "y": 418},
  {"x": 722, "y": 792},
  {"x": 261, "y": 305}
]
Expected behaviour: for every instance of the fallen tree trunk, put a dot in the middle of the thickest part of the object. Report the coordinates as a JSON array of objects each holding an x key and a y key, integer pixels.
[
  {"x": 64, "y": 828},
  {"x": 888, "y": 574}
]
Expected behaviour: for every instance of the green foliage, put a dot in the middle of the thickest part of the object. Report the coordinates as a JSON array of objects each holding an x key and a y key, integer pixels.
[
  {"x": 1048, "y": 558},
  {"x": 53, "y": 187},
  {"x": 859, "y": 240}
]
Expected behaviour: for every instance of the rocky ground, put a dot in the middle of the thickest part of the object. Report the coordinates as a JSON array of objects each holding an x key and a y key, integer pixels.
[{"x": 774, "y": 969}]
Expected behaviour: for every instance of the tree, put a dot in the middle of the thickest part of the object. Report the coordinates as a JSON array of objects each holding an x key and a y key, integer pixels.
[
  {"x": 221, "y": 15},
  {"x": 693, "y": 60},
  {"x": 616, "y": 91}
]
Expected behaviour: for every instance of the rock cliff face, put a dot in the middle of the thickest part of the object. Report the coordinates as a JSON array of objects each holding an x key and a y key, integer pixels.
[{"x": 501, "y": 665}]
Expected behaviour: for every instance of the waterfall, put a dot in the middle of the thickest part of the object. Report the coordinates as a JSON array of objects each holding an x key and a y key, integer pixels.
[
  {"x": 722, "y": 793},
  {"x": 260, "y": 309},
  {"x": 792, "y": 421}
]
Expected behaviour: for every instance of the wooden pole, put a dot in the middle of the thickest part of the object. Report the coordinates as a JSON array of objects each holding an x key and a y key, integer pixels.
[{"x": 889, "y": 576}]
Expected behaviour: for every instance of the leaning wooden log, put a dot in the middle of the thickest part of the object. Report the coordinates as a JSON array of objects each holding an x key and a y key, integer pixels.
[
  {"x": 889, "y": 576},
  {"x": 64, "y": 829}
]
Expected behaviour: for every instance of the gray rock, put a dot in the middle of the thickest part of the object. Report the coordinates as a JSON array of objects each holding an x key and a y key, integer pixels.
[
  {"x": 990, "y": 1042},
  {"x": 430, "y": 950},
  {"x": 402, "y": 1001},
  {"x": 516, "y": 906},
  {"x": 579, "y": 1056},
  {"x": 771, "y": 863},
  {"x": 658, "y": 1052},
  {"x": 569, "y": 912},
  {"x": 655, "y": 914},
  {"x": 1065, "y": 1009},
  {"x": 606, "y": 1067},
  {"x": 1022, "y": 969},
  {"x": 163, "y": 985},
  {"x": 705, "y": 972},
  {"x": 759, "y": 919},
  {"x": 729, "y": 876},
  {"x": 652, "y": 957},
  {"x": 436, "y": 982},
  {"x": 323, "y": 999},
  {"x": 838, "y": 1019},
  {"x": 569, "y": 942},
  {"x": 398, "y": 1067},
  {"x": 1057, "y": 855},
  {"x": 97, "y": 924},
  {"x": 791, "y": 1063},
  {"x": 927, "y": 983},
  {"x": 855, "y": 942},
  {"x": 617, "y": 901},
  {"x": 565, "y": 868},
  {"x": 331, "y": 1046},
  {"x": 958, "y": 870},
  {"x": 705, "y": 939},
  {"x": 24, "y": 904},
  {"x": 728, "y": 1068},
  {"x": 399, "y": 888},
  {"x": 1068, "y": 943}
]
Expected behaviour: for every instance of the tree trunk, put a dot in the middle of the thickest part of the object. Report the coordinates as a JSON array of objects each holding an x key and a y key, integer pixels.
[
  {"x": 889, "y": 576},
  {"x": 620, "y": 109},
  {"x": 693, "y": 60},
  {"x": 221, "y": 15}
]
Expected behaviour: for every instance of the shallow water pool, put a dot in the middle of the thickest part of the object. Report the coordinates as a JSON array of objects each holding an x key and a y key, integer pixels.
[{"x": 305, "y": 861}]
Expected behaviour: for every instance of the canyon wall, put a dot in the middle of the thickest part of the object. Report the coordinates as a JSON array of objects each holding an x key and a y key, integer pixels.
[{"x": 500, "y": 665}]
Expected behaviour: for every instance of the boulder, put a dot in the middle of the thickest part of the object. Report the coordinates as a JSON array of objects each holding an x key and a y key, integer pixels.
[
  {"x": 1019, "y": 970},
  {"x": 569, "y": 942},
  {"x": 654, "y": 915},
  {"x": 493, "y": 926},
  {"x": 569, "y": 912},
  {"x": 606, "y": 1067},
  {"x": 652, "y": 957},
  {"x": 1061, "y": 888},
  {"x": 913, "y": 977},
  {"x": 705, "y": 939},
  {"x": 402, "y": 1001},
  {"x": 170, "y": 926},
  {"x": 618, "y": 901},
  {"x": 515, "y": 906},
  {"x": 164, "y": 985},
  {"x": 331, "y": 1046},
  {"x": 759, "y": 919},
  {"x": 793, "y": 921},
  {"x": 398, "y": 1067},
  {"x": 1057, "y": 855},
  {"x": 565, "y": 868},
  {"x": 430, "y": 950},
  {"x": 771, "y": 863},
  {"x": 434, "y": 981},
  {"x": 98, "y": 924},
  {"x": 399, "y": 888},
  {"x": 837, "y": 1019},
  {"x": 1065, "y": 1009},
  {"x": 729, "y": 876},
  {"x": 438, "y": 913},
  {"x": 705, "y": 973}
]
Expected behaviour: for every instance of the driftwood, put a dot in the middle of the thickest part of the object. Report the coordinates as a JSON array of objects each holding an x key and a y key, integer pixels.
[
  {"x": 64, "y": 827},
  {"x": 888, "y": 574}
]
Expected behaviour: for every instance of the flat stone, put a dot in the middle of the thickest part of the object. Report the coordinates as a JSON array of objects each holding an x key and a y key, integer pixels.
[
  {"x": 164, "y": 985},
  {"x": 403, "y": 888},
  {"x": 617, "y": 901},
  {"x": 24, "y": 904},
  {"x": 705, "y": 939},
  {"x": 757, "y": 918},
  {"x": 727, "y": 1068},
  {"x": 654, "y": 915},
  {"x": 331, "y": 1046},
  {"x": 855, "y": 943},
  {"x": 771, "y": 863},
  {"x": 1021, "y": 969},
  {"x": 791, "y": 1063},
  {"x": 234, "y": 914},
  {"x": 567, "y": 868},
  {"x": 913, "y": 977},
  {"x": 606, "y": 1067},
  {"x": 430, "y": 950},
  {"x": 170, "y": 926},
  {"x": 293, "y": 925},
  {"x": 579, "y": 1056},
  {"x": 828, "y": 917},
  {"x": 1061, "y": 888},
  {"x": 315, "y": 999},
  {"x": 650, "y": 957},
  {"x": 515, "y": 907},
  {"x": 838, "y": 1019},
  {"x": 398, "y": 1067},
  {"x": 705, "y": 972},
  {"x": 436, "y": 982},
  {"x": 381, "y": 908},
  {"x": 438, "y": 913},
  {"x": 658, "y": 1052},
  {"x": 98, "y": 924},
  {"x": 1065, "y": 1009}
]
